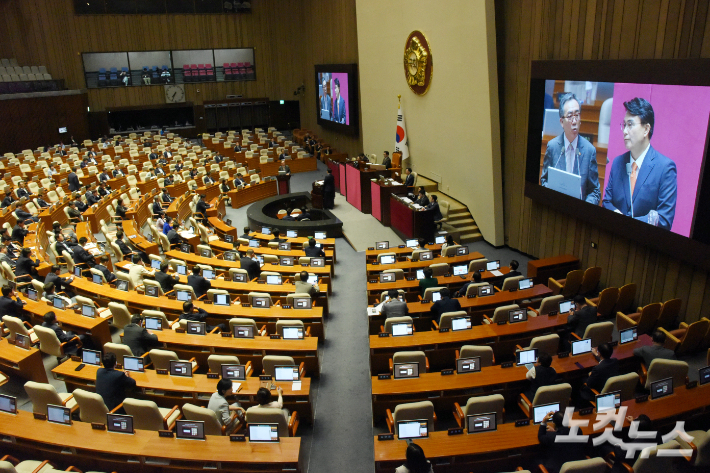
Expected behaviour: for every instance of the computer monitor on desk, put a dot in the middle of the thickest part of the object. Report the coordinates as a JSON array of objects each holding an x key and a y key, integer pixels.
[
  {"x": 243, "y": 331},
  {"x": 517, "y": 315},
  {"x": 237, "y": 372},
  {"x": 319, "y": 235},
  {"x": 492, "y": 265},
  {"x": 412, "y": 429},
  {"x": 264, "y": 433},
  {"x": 440, "y": 240},
  {"x": 485, "y": 290},
  {"x": 662, "y": 388},
  {"x": 118, "y": 423},
  {"x": 196, "y": 328},
  {"x": 402, "y": 329},
  {"x": 460, "y": 270},
  {"x": 91, "y": 357},
  {"x": 155, "y": 264},
  {"x": 8, "y": 404},
  {"x": 481, "y": 423},
  {"x": 153, "y": 323},
  {"x": 389, "y": 259},
  {"x": 629, "y": 335},
  {"x": 468, "y": 365},
  {"x": 539, "y": 412},
  {"x": 190, "y": 429},
  {"x": 181, "y": 368},
  {"x": 566, "y": 307},
  {"x": 608, "y": 401},
  {"x": 526, "y": 357},
  {"x": 382, "y": 245},
  {"x": 413, "y": 243},
  {"x": 525, "y": 284},
  {"x": 183, "y": 296},
  {"x": 291, "y": 233},
  {"x": 59, "y": 414},
  {"x": 580, "y": 347},
  {"x": 133, "y": 363},
  {"x": 208, "y": 274}
]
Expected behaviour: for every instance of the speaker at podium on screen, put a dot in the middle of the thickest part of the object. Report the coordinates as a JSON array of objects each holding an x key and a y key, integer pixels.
[{"x": 564, "y": 182}]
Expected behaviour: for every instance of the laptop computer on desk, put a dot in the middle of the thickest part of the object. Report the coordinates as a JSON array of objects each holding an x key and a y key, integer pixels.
[{"x": 564, "y": 182}]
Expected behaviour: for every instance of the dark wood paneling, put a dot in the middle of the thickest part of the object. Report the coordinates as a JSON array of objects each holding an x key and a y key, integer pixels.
[
  {"x": 29, "y": 123},
  {"x": 609, "y": 29}
]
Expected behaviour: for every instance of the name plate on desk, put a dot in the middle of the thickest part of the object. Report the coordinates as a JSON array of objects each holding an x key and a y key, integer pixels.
[
  {"x": 285, "y": 306},
  {"x": 76, "y": 358},
  {"x": 512, "y": 289},
  {"x": 275, "y": 336},
  {"x": 447, "y": 372},
  {"x": 97, "y": 426},
  {"x": 507, "y": 364},
  {"x": 642, "y": 398},
  {"x": 425, "y": 301},
  {"x": 563, "y": 354},
  {"x": 502, "y": 322},
  {"x": 471, "y": 296},
  {"x": 161, "y": 371},
  {"x": 179, "y": 330},
  {"x": 374, "y": 264},
  {"x": 237, "y": 438},
  {"x": 586, "y": 411},
  {"x": 207, "y": 301},
  {"x": 371, "y": 248},
  {"x": 39, "y": 416},
  {"x": 411, "y": 278},
  {"x": 456, "y": 431},
  {"x": 691, "y": 385},
  {"x": 264, "y": 377},
  {"x": 384, "y": 376},
  {"x": 385, "y": 437},
  {"x": 373, "y": 281},
  {"x": 447, "y": 275},
  {"x": 522, "y": 422},
  {"x": 212, "y": 375},
  {"x": 613, "y": 343},
  {"x": 443, "y": 330},
  {"x": 402, "y": 246},
  {"x": 552, "y": 313},
  {"x": 383, "y": 334},
  {"x": 166, "y": 433},
  {"x": 246, "y": 304},
  {"x": 225, "y": 334}
]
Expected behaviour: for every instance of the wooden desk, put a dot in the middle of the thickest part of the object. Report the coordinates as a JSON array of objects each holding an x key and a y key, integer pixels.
[
  {"x": 326, "y": 244},
  {"x": 136, "y": 302},
  {"x": 168, "y": 391},
  {"x": 441, "y": 348},
  {"x": 144, "y": 451},
  {"x": 294, "y": 252},
  {"x": 510, "y": 446},
  {"x": 246, "y": 349},
  {"x": 18, "y": 362},
  {"x": 380, "y": 196},
  {"x": 476, "y": 307},
  {"x": 94, "y": 215},
  {"x": 409, "y": 223},
  {"x": 249, "y": 195},
  {"x": 138, "y": 240},
  {"x": 96, "y": 327},
  {"x": 192, "y": 259},
  {"x": 556, "y": 267},
  {"x": 38, "y": 242},
  {"x": 371, "y": 255},
  {"x": 412, "y": 266},
  {"x": 443, "y": 391}
]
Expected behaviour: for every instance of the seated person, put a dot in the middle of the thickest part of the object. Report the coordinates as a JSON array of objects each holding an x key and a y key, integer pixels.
[
  {"x": 250, "y": 264},
  {"x": 608, "y": 367},
  {"x": 81, "y": 255},
  {"x": 120, "y": 209},
  {"x": 224, "y": 187},
  {"x": 198, "y": 314},
  {"x": 513, "y": 270},
  {"x": 656, "y": 350},
  {"x": 50, "y": 322},
  {"x": 289, "y": 217},
  {"x": 13, "y": 308},
  {"x": 19, "y": 232},
  {"x": 303, "y": 215},
  {"x": 198, "y": 283},
  {"x": 245, "y": 235},
  {"x": 543, "y": 374},
  {"x": 421, "y": 245},
  {"x": 111, "y": 384},
  {"x": 428, "y": 281},
  {"x": 125, "y": 250},
  {"x": 313, "y": 251},
  {"x": 264, "y": 399},
  {"x": 167, "y": 282},
  {"x": 61, "y": 284},
  {"x": 138, "y": 339},
  {"x": 303, "y": 286},
  {"x": 26, "y": 266},
  {"x": 449, "y": 242},
  {"x": 73, "y": 211},
  {"x": 219, "y": 404},
  {"x": 475, "y": 279},
  {"x": 50, "y": 294},
  {"x": 445, "y": 304},
  {"x": 416, "y": 461},
  {"x": 584, "y": 316},
  {"x": 276, "y": 238},
  {"x": 422, "y": 199},
  {"x": 5, "y": 257},
  {"x": 557, "y": 453},
  {"x": 394, "y": 307},
  {"x": 102, "y": 266}
]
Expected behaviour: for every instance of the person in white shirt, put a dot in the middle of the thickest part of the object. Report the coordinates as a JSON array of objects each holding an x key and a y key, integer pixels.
[
  {"x": 137, "y": 272},
  {"x": 264, "y": 399}
]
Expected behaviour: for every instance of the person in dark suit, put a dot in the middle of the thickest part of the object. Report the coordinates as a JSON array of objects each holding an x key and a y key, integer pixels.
[
  {"x": 173, "y": 236},
  {"x": 61, "y": 284},
  {"x": 19, "y": 232},
  {"x": 237, "y": 148},
  {"x": 207, "y": 180},
  {"x": 102, "y": 266},
  {"x": 61, "y": 245},
  {"x": 166, "y": 197},
  {"x": 104, "y": 176},
  {"x": 81, "y": 255},
  {"x": 246, "y": 235},
  {"x": 556, "y": 453},
  {"x": 475, "y": 279},
  {"x": 157, "y": 208},
  {"x": 13, "y": 308},
  {"x": 329, "y": 190},
  {"x": 338, "y": 112},
  {"x": 117, "y": 172},
  {"x": 409, "y": 179},
  {"x": 84, "y": 163},
  {"x": 195, "y": 314},
  {"x": 434, "y": 205},
  {"x": 386, "y": 160},
  {"x": 92, "y": 197},
  {"x": 112, "y": 385},
  {"x": 72, "y": 347},
  {"x": 277, "y": 236},
  {"x": 73, "y": 180},
  {"x": 138, "y": 339},
  {"x": 656, "y": 350},
  {"x": 542, "y": 374},
  {"x": 428, "y": 281},
  {"x": 8, "y": 200},
  {"x": 5, "y": 257},
  {"x": 325, "y": 100},
  {"x": 239, "y": 181},
  {"x": 313, "y": 251},
  {"x": 643, "y": 183},
  {"x": 166, "y": 281},
  {"x": 26, "y": 266},
  {"x": 582, "y": 317},
  {"x": 422, "y": 199},
  {"x": 21, "y": 190},
  {"x": 283, "y": 155},
  {"x": 153, "y": 155},
  {"x": 513, "y": 269},
  {"x": 250, "y": 265},
  {"x": 284, "y": 168},
  {"x": 273, "y": 143},
  {"x": 224, "y": 187},
  {"x": 167, "y": 154},
  {"x": 394, "y": 306},
  {"x": 607, "y": 368},
  {"x": 43, "y": 204},
  {"x": 573, "y": 153},
  {"x": 198, "y": 283},
  {"x": 305, "y": 214},
  {"x": 120, "y": 209},
  {"x": 445, "y": 304},
  {"x": 202, "y": 206}
]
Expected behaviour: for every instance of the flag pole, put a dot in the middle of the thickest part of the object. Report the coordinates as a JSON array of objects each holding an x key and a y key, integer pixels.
[{"x": 399, "y": 105}]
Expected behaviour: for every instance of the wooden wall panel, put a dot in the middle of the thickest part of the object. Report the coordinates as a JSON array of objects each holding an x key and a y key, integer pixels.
[{"x": 592, "y": 29}]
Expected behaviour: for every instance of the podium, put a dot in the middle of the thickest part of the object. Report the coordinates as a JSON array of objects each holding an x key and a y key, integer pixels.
[
  {"x": 283, "y": 184},
  {"x": 317, "y": 195}
]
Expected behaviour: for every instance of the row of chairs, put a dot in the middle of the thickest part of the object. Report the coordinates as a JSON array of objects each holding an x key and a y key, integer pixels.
[
  {"x": 15, "y": 69},
  {"x": 579, "y": 281},
  {"x": 197, "y": 72},
  {"x": 237, "y": 70},
  {"x": 4, "y": 77}
]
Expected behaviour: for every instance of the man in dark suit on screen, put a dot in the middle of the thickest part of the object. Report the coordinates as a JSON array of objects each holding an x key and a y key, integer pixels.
[
  {"x": 338, "y": 112},
  {"x": 642, "y": 184},
  {"x": 573, "y": 153}
]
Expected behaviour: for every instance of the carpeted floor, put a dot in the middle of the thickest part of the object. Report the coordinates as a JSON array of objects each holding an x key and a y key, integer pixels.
[{"x": 362, "y": 230}]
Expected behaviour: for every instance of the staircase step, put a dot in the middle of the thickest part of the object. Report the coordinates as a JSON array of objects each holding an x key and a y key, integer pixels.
[{"x": 470, "y": 238}]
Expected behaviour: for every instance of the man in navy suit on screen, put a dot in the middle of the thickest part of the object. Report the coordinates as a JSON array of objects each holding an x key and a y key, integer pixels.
[
  {"x": 643, "y": 183},
  {"x": 338, "y": 112},
  {"x": 573, "y": 153}
]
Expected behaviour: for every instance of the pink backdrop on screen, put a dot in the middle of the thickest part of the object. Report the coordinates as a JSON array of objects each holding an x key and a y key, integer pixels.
[
  {"x": 678, "y": 133},
  {"x": 343, "y": 79}
]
